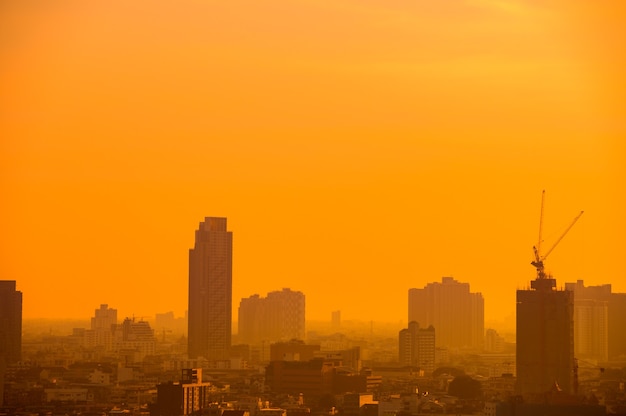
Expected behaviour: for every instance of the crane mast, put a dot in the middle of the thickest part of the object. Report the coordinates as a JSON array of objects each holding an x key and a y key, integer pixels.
[{"x": 539, "y": 258}]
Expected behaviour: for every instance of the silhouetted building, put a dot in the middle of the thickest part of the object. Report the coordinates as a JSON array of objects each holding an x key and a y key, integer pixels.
[
  {"x": 188, "y": 396},
  {"x": 591, "y": 320},
  {"x": 617, "y": 323},
  {"x": 294, "y": 350},
  {"x": 457, "y": 315},
  {"x": 278, "y": 317},
  {"x": 210, "y": 291},
  {"x": 313, "y": 378},
  {"x": 10, "y": 322},
  {"x": 416, "y": 347},
  {"x": 545, "y": 339}
]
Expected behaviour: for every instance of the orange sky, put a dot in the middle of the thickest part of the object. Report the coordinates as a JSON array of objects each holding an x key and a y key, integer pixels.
[{"x": 358, "y": 148}]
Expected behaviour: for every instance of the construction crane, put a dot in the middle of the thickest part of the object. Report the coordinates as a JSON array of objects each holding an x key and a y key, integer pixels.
[{"x": 539, "y": 258}]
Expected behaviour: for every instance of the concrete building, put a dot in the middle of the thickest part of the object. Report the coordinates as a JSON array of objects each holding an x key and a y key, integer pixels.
[
  {"x": 457, "y": 315},
  {"x": 278, "y": 317},
  {"x": 10, "y": 322},
  {"x": 210, "y": 291},
  {"x": 103, "y": 324},
  {"x": 591, "y": 324},
  {"x": 545, "y": 339},
  {"x": 134, "y": 339},
  {"x": 416, "y": 347},
  {"x": 188, "y": 396}
]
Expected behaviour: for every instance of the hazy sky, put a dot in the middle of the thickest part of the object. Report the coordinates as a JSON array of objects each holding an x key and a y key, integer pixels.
[{"x": 358, "y": 148}]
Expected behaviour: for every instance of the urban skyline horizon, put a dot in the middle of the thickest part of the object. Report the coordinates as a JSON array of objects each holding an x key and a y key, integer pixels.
[{"x": 357, "y": 149}]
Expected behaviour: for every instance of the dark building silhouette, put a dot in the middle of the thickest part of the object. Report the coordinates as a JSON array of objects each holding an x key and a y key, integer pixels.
[
  {"x": 210, "y": 291},
  {"x": 10, "y": 322},
  {"x": 545, "y": 339},
  {"x": 189, "y": 396},
  {"x": 617, "y": 323}
]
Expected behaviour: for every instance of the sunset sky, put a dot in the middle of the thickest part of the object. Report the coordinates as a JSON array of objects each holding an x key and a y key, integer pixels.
[{"x": 358, "y": 148}]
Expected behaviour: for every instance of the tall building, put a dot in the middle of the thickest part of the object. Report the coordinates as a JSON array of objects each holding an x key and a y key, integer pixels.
[
  {"x": 591, "y": 323},
  {"x": 416, "y": 347},
  {"x": 210, "y": 291},
  {"x": 457, "y": 315},
  {"x": 10, "y": 322},
  {"x": 102, "y": 328},
  {"x": 278, "y": 317},
  {"x": 545, "y": 339}
]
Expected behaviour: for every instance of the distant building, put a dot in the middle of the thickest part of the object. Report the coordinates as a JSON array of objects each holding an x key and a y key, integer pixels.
[
  {"x": 617, "y": 323},
  {"x": 278, "y": 317},
  {"x": 294, "y": 350},
  {"x": 210, "y": 291},
  {"x": 493, "y": 341},
  {"x": 335, "y": 319},
  {"x": 591, "y": 320},
  {"x": 545, "y": 339},
  {"x": 416, "y": 347},
  {"x": 103, "y": 324},
  {"x": 10, "y": 322},
  {"x": 457, "y": 315},
  {"x": 188, "y": 396},
  {"x": 134, "y": 339}
]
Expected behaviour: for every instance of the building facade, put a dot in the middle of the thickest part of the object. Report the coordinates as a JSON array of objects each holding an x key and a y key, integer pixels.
[
  {"x": 279, "y": 317},
  {"x": 10, "y": 322},
  {"x": 591, "y": 323},
  {"x": 210, "y": 291},
  {"x": 416, "y": 347},
  {"x": 545, "y": 339},
  {"x": 457, "y": 315}
]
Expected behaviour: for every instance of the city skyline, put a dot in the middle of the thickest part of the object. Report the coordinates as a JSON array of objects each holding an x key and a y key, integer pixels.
[{"x": 357, "y": 149}]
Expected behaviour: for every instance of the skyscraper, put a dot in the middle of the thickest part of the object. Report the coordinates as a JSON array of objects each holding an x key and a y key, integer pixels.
[
  {"x": 545, "y": 339},
  {"x": 457, "y": 314},
  {"x": 210, "y": 291},
  {"x": 10, "y": 322}
]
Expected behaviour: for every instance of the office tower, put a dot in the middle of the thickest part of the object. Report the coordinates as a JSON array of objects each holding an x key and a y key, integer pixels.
[
  {"x": 457, "y": 315},
  {"x": 417, "y": 347},
  {"x": 210, "y": 291},
  {"x": 278, "y": 317},
  {"x": 545, "y": 339},
  {"x": 10, "y": 322},
  {"x": 591, "y": 324}
]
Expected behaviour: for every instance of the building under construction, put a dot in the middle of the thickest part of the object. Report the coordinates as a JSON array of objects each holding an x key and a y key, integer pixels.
[{"x": 545, "y": 331}]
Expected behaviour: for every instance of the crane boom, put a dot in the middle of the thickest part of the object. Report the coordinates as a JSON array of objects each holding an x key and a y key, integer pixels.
[
  {"x": 539, "y": 258},
  {"x": 563, "y": 235}
]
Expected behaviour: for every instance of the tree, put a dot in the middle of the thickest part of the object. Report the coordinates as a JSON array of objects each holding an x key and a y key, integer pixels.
[{"x": 465, "y": 387}]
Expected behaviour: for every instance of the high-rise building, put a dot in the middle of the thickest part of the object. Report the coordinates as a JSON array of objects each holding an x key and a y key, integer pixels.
[
  {"x": 457, "y": 315},
  {"x": 278, "y": 317},
  {"x": 210, "y": 291},
  {"x": 545, "y": 339},
  {"x": 417, "y": 347},
  {"x": 10, "y": 322},
  {"x": 100, "y": 335},
  {"x": 591, "y": 324}
]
